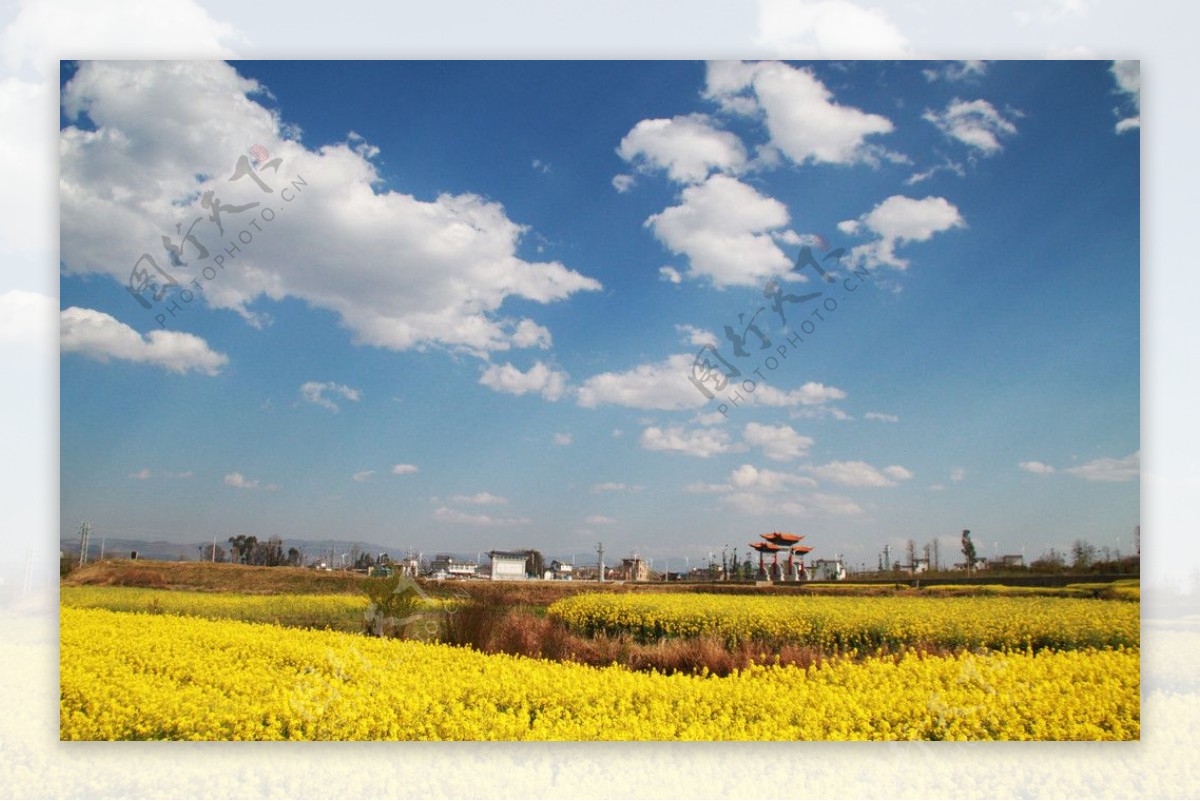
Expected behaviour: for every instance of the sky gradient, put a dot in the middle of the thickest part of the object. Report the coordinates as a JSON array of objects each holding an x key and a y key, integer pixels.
[{"x": 472, "y": 325}]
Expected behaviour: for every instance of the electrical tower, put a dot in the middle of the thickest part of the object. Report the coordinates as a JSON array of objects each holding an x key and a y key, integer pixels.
[{"x": 85, "y": 534}]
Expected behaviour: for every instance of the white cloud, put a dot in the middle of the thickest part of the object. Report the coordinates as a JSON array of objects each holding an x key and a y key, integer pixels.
[
  {"x": 859, "y": 474},
  {"x": 241, "y": 482},
  {"x": 314, "y": 392},
  {"x": 662, "y": 386},
  {"x": 563, "y": 439},
  {"x": 616, "y": 486},
  {"x": 722, "y": 226},
  {"x": 827, "y": 29},
  {"x": 480, "y": 499},
  {"x": 900, "y": 219},
  {"x": 102, "y": 337},
  {"x": 757, "y": 491},
  {"x": 955, "y": 71},
  {"x": 780, "y": 443},
  {"x": 141, "y": 475},
  {"x": 687, "y": 148},
  {"x": 446, "y": 515},
  {"x": 599, "y": 520},
  {"x": 363, "y": 475},
  {"x": 1041, "y": 468},
  {"x": 403, "y": 469},
  {"x": 1128, "y": 76},
  {"x": 701, "y": 442},
  {"x": 881, "y": 417},
  {"x": 958, "y": 474},
  {"x": 670, "y": 274},
  {"x": 975, "y": 123},
  {"x": 697, "y": 337},
  {"x": 424, "y": 271},
  {"x": 1109, "y": 469},
  {"x": 748, "y": 477},
  {"x": 811, "y": 393},
  {"x": 623, "y": 183},
  {"x": 803, "y": 120},
  {"x": 549, "y": 383}
]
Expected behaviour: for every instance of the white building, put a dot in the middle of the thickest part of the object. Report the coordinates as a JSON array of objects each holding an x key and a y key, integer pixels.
[
  {"x": 827, "y": 570},
  {"x": 507, "y": 566}
]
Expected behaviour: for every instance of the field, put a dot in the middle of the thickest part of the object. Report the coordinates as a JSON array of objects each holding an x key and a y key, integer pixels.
[{"x": 540, "y": 661}]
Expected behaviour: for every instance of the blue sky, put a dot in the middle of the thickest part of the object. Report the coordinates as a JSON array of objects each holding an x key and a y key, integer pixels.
[{"x": 471, "y": 326}]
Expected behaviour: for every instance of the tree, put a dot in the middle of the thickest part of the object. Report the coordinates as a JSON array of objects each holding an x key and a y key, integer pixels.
[
  {"x": 242, "y": 547},
  {"x": 535, "y": 565},
  {"x": 1083, "y": 555},
  {"x": 968, "y": 550},
  {"x": 212, "y": 553},
  {"x": 937, "y": 562},
  {"x": 294, "y": 557},
  {"x": 1052, "y": 561}
]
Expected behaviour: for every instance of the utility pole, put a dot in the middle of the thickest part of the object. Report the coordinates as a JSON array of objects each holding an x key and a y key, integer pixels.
[
  {"x": 85, "y": 534},
  {"x": 103, "y": 540},
  {"x": 600, "y": 561},
  {"x": 214, "y": 549}
]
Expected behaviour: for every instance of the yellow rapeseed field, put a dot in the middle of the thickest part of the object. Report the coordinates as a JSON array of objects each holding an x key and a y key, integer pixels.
[
  {"x": 144, "y": 676},
  {"x": 338, "y": 611},
  {"x": 839, "y": 624}
]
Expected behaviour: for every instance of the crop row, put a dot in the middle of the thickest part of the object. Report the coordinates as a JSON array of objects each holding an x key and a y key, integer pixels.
[
  {"x": 137, "y": 676},
  {"x": 839, "y": 624}
]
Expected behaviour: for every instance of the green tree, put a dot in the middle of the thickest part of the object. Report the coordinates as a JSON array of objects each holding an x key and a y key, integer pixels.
[
  {"x": 968, "y": 550},
  {"x": 1083, "y": 555}
]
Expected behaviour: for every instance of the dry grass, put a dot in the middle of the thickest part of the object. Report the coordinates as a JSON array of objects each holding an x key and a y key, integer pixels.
[{"x": 206, "y": 576}]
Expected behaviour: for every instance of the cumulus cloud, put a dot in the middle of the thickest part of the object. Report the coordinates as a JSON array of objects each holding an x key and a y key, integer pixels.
[
  {"x": 811, "y": 393},
  {"x": 757, "y": 491},
  {"x": 687, "y": 148},
  {"x": 616, "y": 486},
  {"x": 315, "y": 392},
  {"x": 802, "y": 118},
  {"x": 975, "y": 123},
  {"x": 549, "y": 383},
  {"x": 701, "y": 442},
  {"x": 955, "y": 71},
  {"x": 241, "y": 482},
  {"x": 958, "y": 474},
  {"x": 425, "y": 271},
  {"x": 859, "y": 474},
  {"x": 1109, "y": 469},
  {"x": 898, "y": 220},
  {"x": 623, "y": 183},
  {"x": 563, "y": 439},
  {"x": 480, "y": 499},
  {"x": 1040, "y": 468},
  {"x": 697, "y": 337},
  {"x": 723, "y": 228},
  {"x": 663, "y": 385},
  {"x": 102, "y": 337},
  {"x": 403, "y": 469},
  {"x": 1128, "y": 77},
  {"x": 780, "y": 443},
  {"x": 141, "y": 475},
  {"x": 363, "y": 475},
  {"x": 670, "y": 274},
  {"x": 447, "y": 515}
]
